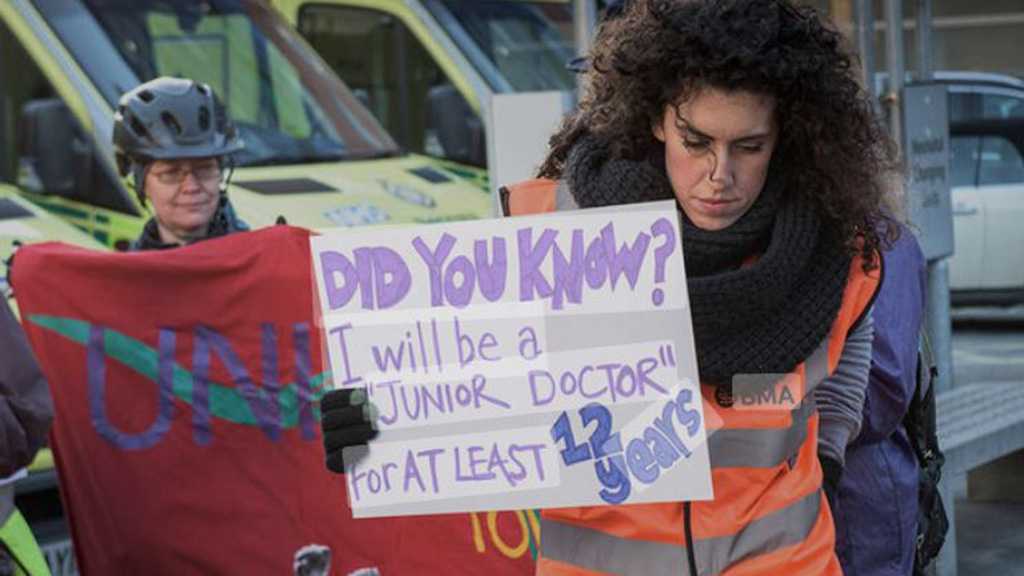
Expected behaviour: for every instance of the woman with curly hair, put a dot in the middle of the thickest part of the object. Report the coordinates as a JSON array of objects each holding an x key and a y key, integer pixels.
[{"x": 748, "y": 113}]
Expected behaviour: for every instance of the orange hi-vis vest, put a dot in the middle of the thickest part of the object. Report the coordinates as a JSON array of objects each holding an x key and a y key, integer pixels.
[{"x": 769, "y": 514}]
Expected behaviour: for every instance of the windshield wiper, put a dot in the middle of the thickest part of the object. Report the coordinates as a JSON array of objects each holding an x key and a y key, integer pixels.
[{"x": 374, "y": 154}]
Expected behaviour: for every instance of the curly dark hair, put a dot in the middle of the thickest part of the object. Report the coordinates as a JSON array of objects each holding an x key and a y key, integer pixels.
[{"x": 832, "y": 151}]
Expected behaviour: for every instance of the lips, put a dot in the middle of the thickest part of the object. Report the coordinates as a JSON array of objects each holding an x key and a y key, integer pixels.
[
  {"x": 716, "y": 205},
  {"x": 193, "y": 205}
]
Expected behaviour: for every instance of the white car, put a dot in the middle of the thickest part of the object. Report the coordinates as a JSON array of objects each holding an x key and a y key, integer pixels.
[{"x": 987, "y": 176}]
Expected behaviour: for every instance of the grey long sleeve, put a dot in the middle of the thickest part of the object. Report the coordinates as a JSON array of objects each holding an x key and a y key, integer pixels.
[{"x": 840, "y": 397}]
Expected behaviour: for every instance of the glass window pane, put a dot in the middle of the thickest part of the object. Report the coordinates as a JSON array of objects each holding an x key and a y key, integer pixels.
[
  {"x": 964, "y": 160},
  {"x": 963, "y": 106},
  {"x": 1001, "y": 162},
  {"x": 1000, "y": 106},
  {"x": 527, "y": 44},
  {"x": 359, "y": 45},
  {"x": 394, "y": 74},
  {"x": 287, "y": 110}
]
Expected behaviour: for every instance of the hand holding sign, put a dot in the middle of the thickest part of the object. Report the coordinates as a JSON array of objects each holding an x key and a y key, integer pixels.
[
  {"x": 531, "y": 362},
  {"x": 346, "y": 422}
]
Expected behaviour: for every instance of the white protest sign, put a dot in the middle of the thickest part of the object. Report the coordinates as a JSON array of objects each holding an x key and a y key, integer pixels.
[{"x": 528, "y": 362}]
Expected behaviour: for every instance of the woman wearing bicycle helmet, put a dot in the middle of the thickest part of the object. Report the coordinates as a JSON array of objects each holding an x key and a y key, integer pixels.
[{"x": 175, "y": 139}]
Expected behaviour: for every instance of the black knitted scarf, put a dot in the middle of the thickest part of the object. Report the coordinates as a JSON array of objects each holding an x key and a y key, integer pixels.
[
  {"x": 223, "y": 222},
  {"x": 763, "y": 318}
]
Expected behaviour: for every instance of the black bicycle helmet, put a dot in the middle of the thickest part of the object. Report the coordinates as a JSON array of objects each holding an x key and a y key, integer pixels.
[{"x": 169, "y": 118}]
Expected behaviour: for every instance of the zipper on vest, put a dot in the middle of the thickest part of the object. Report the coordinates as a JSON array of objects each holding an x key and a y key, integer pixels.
[{"x": 688, "y": 529}]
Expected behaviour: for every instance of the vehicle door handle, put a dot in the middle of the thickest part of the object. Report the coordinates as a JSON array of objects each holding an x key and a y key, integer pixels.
[{"x": 964, "y": 210}]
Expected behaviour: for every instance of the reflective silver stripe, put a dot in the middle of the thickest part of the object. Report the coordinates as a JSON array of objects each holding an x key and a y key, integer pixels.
[
  {"x": 769, "y": 447},
  {"x": 759, "y": 448},
  {"x": 602, "y": 552},
  {"x": 591, "y": 549},
  {"x": 6, "y": 502},
  {"x": 786, "y": 527}
]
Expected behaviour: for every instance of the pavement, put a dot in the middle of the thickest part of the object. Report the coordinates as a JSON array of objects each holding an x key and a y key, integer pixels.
[
  {"x": 990, "y": 538},
  {"x": 988, "y": 345}
]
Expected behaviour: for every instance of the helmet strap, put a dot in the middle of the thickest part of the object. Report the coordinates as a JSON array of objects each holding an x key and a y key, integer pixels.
[
  {"x": 138, "y": 171},
  {"x": 228, "y": 165}
]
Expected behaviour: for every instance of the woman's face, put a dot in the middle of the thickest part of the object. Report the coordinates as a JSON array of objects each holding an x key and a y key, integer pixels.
[
  {"x": 184, "y": 195},
  {"x": 717, "y": 148}
]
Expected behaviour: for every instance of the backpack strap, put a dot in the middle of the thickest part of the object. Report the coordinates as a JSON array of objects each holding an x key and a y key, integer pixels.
[
  {"x": 920, "y": 418},
  {"x": 919, "y": 421}
]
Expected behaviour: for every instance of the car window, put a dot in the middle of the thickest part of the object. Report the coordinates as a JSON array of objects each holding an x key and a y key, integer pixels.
[
  {"x": 1002, "y": 106},
  {"x": 964, "y": 160},
  {"x": 1001, "y": 162},
  {"x": 984, "y": 105},
  {"x": 964, "y": 106}
]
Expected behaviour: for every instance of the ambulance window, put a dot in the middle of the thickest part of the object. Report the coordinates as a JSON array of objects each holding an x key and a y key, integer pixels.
[
  {"x": 25, "y": 89},
  {"x": 388, "y": 68}
]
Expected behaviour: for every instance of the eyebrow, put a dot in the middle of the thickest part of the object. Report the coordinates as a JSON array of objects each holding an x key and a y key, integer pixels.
[{"x": 686, "y": 125}]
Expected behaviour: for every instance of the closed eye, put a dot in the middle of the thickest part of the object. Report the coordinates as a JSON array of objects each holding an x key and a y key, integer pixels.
[{"x": 695, "y": 144}]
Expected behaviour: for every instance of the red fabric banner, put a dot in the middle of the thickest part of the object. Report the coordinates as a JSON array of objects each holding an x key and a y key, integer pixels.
[{"x": 186, "y": 433}]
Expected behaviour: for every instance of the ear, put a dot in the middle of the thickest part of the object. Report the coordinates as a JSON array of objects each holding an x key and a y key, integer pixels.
[{"x": 658, "y": 129}]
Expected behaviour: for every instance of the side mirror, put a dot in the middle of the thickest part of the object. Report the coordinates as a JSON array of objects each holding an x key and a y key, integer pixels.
[
  {"x": 53, "y": 155},
  {"x": 458, "y": 128}
]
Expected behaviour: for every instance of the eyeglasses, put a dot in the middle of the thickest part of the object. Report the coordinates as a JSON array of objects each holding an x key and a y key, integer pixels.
[{"x": 206, "y": 173}]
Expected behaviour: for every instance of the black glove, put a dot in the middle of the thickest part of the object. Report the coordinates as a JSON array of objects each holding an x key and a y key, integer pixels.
[
  {"x": 831, "y": 471},
  {"x": 346, "y": 417}
]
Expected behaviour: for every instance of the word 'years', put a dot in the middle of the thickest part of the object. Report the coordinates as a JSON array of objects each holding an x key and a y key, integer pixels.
[{"x": 657, "y": 448}]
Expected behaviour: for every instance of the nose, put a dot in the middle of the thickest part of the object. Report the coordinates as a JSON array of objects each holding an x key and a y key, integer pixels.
[
  {"x": 720, "y": 173},
  {"x": 190, "y": 181}
]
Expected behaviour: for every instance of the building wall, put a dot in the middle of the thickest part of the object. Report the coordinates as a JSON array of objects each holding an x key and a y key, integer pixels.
[{"x": 977, "y": 35}]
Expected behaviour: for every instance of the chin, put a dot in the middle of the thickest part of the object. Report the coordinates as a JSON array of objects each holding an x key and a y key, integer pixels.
[
  {"x": 713, "y": 224},
  {"x": 193, "y": 228}
]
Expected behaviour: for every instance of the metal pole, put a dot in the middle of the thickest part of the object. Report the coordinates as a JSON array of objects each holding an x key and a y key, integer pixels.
[
  {"x": 939, "y": 326},
  {"x": 584, "y": 19},
  {"x": 865, "y": 19},
  {"x": 6, "y": 121},
  {"x": 924, "y": 40},
  {"x": 894, "y": 58},
  {"x": 938, "y": 321}
]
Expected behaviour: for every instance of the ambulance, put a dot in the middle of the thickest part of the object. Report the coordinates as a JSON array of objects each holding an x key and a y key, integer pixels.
[
  {"x": 428, "y": 68},
  {"x": 314, "y": 155}
]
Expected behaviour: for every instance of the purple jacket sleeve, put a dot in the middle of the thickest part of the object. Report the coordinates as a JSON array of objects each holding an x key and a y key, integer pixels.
[
  {"x": 26, "y": 408},
  {"x": 898, "y": 312}
]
